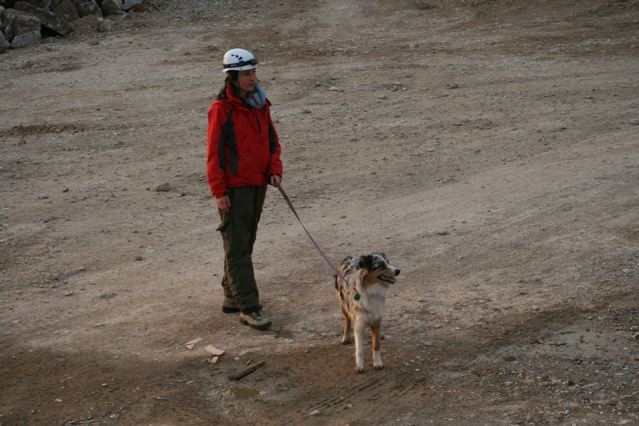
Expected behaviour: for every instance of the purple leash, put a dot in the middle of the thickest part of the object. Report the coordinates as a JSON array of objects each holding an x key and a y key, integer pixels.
[{"x": 290, "y": 205}]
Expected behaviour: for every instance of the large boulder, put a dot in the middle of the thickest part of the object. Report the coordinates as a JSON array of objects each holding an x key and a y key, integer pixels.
[
  {"x": 66, "y": 11},
  {"x": 42, "y": 4},
  {"x": 31, "y": 38},
  {"x": 4, "y": 44},
  {"x": 112, "y": 7},
  {"x": 49, "y": 19},
  {"x": 87, "y": 7},
  {"x": 18, "y": 22}
]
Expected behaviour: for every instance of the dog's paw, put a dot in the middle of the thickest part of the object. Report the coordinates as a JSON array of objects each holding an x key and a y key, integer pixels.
[
  {"x": 359, "y": 370},
  {"x": 346, "y": 340},
  {"x": 379, "y": 366}
]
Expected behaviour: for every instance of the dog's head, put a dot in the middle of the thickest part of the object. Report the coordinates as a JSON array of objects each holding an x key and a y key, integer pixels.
[{"x": 378, "y": 267}]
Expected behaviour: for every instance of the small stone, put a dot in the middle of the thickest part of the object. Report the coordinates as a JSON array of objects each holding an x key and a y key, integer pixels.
[
  {"x": 163, "y": 187},
  {"x": 193, "y": 343},
  {"x": 213, "y": 351},
  {"x": 105, "y": 26},
  {"x": 139, "y": 258},
  {"x": 315, "y": 413}
]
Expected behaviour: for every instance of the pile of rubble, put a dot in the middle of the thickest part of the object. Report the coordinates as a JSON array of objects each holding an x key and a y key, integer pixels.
[{"x": 25, "y": 22}]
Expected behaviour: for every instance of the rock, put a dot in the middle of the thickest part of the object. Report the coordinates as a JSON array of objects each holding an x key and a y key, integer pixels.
[
  {"x": 213, "y": 351},
  {"x": 130, "y": 4},
  {"x": 66, "y": 11},
  {"x": 164, "y": 187},
  {"x": 87, "y": 7},
  {"x": 42, "y": 4},
  {"x": 193, "y": 343},
  {"x": 19, "y": 22},
  {"x": 26, "y": 39},
  {"x": 105, "y": 26},
  {"x": 46, "y": 17},
  {"x": 112, "y": 7},
  {"x": 315, "y": 413},
  {"x": 4, "y": 44}
]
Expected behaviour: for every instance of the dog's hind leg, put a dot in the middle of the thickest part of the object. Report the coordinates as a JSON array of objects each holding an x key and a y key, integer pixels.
[
  {"x": 346, "y": 336},
  {"x": 359, "y": 346},
  {"x": 377, "y": 353}
]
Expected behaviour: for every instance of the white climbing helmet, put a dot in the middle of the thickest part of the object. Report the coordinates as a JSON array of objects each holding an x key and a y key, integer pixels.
[{"x": 239, "y": 60}]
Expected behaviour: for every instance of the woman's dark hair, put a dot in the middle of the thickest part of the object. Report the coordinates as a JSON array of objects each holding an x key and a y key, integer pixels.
[{"x": 230, "y": 81}]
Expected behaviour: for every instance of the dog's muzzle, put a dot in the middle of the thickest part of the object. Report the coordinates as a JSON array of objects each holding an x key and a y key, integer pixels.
[{"x": 390, "y": 280}]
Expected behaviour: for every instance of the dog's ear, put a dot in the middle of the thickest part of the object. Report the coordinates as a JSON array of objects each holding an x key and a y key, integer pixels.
[{"x": 366, "y": 262}]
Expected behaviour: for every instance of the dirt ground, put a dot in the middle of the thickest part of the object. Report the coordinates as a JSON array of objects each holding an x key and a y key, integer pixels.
[{"x": 489, "y": 148}]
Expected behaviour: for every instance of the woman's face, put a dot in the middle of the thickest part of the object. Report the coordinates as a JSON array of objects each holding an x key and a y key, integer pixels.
[{"x": 247, "y": 80}]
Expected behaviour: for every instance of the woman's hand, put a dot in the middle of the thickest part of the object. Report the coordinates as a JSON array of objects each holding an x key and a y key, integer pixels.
[
  {"x": 223, "y": 203},
  {"x": 275, "y": 180}
]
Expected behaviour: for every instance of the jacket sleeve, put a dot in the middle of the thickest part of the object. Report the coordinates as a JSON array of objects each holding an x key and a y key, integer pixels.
[
  {"x": 215, "y": 150},
  {"x": 275, "y": 163}
]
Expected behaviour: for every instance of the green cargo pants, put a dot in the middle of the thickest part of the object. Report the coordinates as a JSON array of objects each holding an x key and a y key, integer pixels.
[{"x": 239, "y": 229}]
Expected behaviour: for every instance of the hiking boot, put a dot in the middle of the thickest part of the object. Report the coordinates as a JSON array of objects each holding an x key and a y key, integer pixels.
[
  {"x": 230, "y": 307},
  {"x": 255, "y": 320}
]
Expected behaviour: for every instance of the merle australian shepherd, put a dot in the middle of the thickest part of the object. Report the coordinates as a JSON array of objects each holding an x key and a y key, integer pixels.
[{"x": 362, "y": 284}]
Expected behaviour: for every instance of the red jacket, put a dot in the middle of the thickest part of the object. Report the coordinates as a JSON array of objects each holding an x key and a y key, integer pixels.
[{"x": 243, "y": 148}]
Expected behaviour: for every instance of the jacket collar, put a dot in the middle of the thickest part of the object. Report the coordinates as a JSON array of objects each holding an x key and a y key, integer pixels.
[{"x": 237, "y": 102}]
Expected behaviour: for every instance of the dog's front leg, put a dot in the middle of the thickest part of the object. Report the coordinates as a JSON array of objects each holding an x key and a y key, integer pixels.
[
  {"x": 359, "y": 346},
  {"x": 377, "y": 353},
  {"x": 346, "y": 336}
]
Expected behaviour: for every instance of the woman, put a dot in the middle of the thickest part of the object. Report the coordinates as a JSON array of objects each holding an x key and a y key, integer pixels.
[{"x": 243, "y": 156}]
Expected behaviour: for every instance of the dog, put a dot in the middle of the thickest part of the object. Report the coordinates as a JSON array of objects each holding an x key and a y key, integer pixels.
[{"x": 362, "y": 283}]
